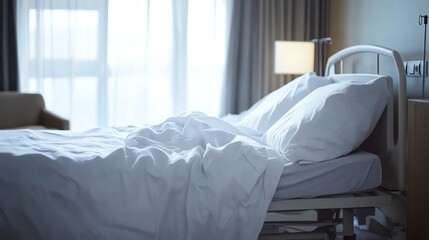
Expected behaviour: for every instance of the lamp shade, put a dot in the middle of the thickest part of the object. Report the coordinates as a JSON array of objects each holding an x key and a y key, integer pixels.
[{"x": 293, "y": 57}]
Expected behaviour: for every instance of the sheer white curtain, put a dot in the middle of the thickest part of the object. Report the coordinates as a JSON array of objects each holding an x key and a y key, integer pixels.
[{"x": 124, "y": 62}]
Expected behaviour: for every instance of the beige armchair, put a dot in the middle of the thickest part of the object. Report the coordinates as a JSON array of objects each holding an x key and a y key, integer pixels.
[{"x": 27, "y": 110}]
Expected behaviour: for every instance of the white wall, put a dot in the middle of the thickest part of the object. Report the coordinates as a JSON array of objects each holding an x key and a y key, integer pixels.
[{"x": 389, "y": 23}]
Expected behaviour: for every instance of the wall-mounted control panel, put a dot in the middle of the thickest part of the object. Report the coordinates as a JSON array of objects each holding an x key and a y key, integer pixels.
[{"x": 415, "y": 68}]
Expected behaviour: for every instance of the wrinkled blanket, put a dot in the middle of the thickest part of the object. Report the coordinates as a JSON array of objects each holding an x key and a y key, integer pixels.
[{"x": 190, "y": 177}]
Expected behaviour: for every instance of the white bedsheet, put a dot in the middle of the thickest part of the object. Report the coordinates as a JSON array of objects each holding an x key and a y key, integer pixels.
[
  {"x": 191, "y": 177},
  {"x": 357, "y": 172}
]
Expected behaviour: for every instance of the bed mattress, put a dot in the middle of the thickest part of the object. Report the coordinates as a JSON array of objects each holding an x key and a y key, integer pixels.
[{"x": 356, "y": 172}]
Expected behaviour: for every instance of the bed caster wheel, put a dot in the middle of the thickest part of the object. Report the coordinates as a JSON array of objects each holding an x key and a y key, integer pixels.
[{"x": 351, "y": 237}]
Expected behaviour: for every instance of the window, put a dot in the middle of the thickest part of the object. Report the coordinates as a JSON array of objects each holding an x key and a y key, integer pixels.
[
  {"x": 62, "y": 55},
  {"x": 125, "y": 62}
]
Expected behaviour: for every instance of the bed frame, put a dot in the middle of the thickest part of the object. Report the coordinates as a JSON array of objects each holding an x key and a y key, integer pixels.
[{"x": 387, "y": 141}]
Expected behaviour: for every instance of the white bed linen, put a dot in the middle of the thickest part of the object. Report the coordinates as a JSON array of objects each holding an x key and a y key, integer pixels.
[
  {"x": 190, "y": 177},
  {"x": 331, "y": 121},
  {"x": 356, "y": 172}
]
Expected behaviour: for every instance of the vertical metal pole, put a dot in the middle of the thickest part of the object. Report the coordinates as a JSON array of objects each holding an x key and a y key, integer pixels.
[
  {"x": 424, "y": 20},
  {"x": 378, "y": 64},
  {"x": 320, "y": 44}
]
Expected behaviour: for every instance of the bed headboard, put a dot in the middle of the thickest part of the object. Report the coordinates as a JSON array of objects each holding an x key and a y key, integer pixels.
[{"x": 389, "y": 136}]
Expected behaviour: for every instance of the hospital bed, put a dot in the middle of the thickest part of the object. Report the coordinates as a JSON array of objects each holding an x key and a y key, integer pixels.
[
  {"x": 344, "y": 203},
  {"x": 195, "y": 176}
]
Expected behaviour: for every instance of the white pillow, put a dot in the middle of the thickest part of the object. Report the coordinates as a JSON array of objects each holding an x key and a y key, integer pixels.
[
  {"x": 330, "y": 122},
  {"x": 263, "y": 114}
]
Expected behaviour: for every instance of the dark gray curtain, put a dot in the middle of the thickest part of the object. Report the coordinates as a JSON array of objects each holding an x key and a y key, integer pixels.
[
  {"x": 9, "y": 50},
  {"x": 256, "y": 24}
]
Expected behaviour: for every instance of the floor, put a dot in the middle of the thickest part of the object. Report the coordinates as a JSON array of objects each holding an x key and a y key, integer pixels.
[{"x": 362, "y": 234}]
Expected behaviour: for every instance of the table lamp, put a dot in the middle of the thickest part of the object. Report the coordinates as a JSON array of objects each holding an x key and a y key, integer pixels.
[{"x": 293, "y": 57}]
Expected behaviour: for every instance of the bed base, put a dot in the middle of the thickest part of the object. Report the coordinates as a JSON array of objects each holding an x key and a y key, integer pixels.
[{"x": 334, "y": 215}]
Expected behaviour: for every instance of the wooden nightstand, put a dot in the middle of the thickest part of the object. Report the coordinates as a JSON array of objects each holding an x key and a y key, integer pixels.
[{"x": 418, "y": 169}]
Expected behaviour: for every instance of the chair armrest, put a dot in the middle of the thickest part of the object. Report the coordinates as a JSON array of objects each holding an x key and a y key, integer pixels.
[{"x": 50, "y": 120}]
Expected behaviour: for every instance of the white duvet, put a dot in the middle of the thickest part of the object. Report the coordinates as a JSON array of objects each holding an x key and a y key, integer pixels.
[{"x": 191, "y": 177}]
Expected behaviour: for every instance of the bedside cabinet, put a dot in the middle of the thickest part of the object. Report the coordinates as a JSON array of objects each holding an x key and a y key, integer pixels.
[{"x": 418, "y": 169}]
